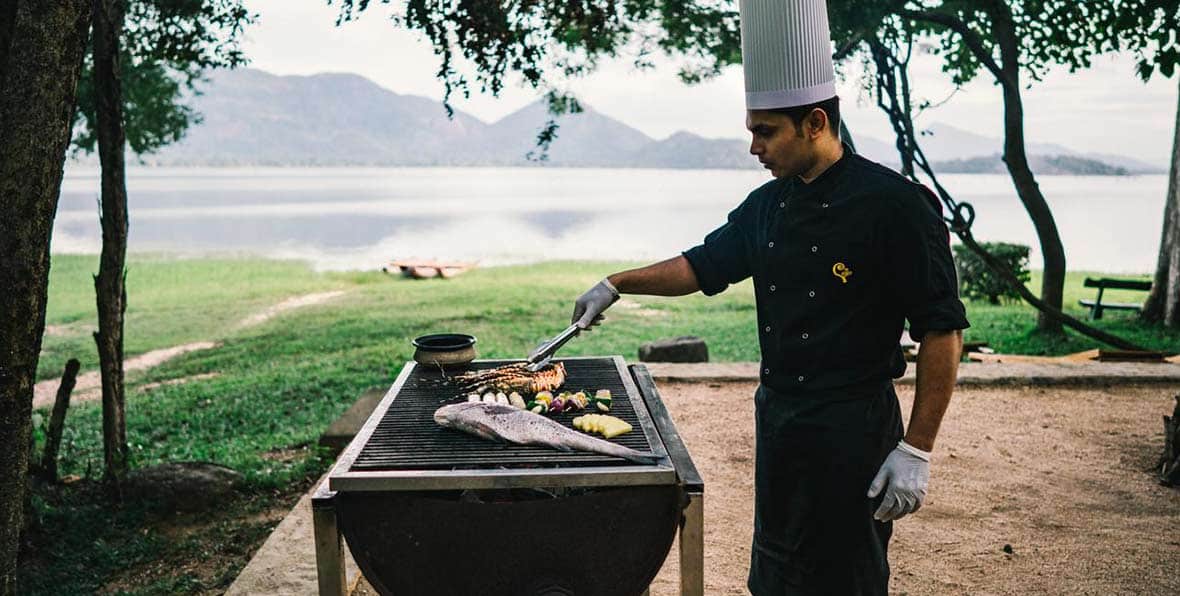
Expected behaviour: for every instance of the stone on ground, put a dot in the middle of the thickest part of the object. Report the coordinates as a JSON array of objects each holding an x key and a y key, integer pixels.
[
  {"x": 182, "y": 486},
  {"x": 681, "y": 349}
]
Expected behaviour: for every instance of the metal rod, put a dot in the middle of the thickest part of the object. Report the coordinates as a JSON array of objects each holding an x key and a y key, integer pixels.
[
  {"x": 502, "y": 478},
  {"x": 692, "y": 547}
]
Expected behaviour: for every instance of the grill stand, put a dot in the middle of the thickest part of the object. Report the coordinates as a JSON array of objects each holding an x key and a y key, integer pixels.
[
  {"x": 692, "y": 521},
  {"x": 329, "y": 545}
]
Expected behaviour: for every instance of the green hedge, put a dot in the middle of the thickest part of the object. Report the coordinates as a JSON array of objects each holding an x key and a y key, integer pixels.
[{"x": 978, "y": 282}]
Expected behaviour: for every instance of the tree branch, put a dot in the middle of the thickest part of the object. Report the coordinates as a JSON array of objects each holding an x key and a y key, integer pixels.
[
  {"x": 847, "y": 47},
  {"x": 969, "y": 37}
]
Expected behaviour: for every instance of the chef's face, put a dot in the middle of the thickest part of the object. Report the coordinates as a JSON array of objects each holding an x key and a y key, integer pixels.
[{"x": 783, "y": 147}]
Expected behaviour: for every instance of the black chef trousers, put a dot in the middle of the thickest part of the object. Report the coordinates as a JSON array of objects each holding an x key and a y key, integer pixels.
[{"x": 814, "y": 532}]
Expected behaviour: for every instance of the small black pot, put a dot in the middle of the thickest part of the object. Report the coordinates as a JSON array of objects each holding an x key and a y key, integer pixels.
[{"x": 444, "y": 349}]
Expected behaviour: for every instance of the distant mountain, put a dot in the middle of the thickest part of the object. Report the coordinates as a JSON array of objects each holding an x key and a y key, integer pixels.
[
  {"x": 587, "y": 138},
  {"x": 963, "y": 151},
  {"x": 876, "y": 149},
  {"x": 956, "y": 151},
  {"x": 686, "y": 150},
  {"x": 942, "y": 142},
  {"x": 1133, "y": 166},
  {"x": 251, "y": 117},
  {"x": 1041, "y": 164}
]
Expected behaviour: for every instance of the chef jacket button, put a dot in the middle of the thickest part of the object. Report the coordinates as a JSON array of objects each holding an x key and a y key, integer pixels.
[
  {"x": 800, "y": 378},
  {"x": 825, "y": 205},
  {"x": 782, "y": 204},
  {"x": 815, "y": 249},
  {"x": 766, "y": 370},
  {"x": 772, "y": 288},
  {"x": 768, "y": 328},
  {"x": 771, "y": 245},
  {"x": 805, "y": 336},
  {"x": 811, "y": 294}
]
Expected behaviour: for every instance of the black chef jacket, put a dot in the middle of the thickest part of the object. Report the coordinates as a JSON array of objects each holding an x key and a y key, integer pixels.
[{"x": 838, "y": 265}]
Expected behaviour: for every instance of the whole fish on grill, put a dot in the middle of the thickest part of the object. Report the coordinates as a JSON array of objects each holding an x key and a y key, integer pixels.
[{"x": 497, "y": 422}]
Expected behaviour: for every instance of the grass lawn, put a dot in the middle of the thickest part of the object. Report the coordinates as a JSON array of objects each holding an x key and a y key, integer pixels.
[{"x": 279, "y": 384}]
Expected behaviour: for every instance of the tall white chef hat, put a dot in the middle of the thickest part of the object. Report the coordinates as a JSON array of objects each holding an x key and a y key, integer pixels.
[{"x": 786, "y": 53}]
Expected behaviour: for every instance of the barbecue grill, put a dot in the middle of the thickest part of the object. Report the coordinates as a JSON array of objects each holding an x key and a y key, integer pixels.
[{"x": 428, "y": 510}]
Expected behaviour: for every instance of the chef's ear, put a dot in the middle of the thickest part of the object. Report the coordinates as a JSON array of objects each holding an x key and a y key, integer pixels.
[
  {"x": 816, "y": 123},
  {"x": 824, "y": 117}
]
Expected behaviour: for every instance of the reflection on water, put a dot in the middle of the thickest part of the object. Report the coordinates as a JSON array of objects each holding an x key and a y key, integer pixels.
[{"x": 344, "y": 218}]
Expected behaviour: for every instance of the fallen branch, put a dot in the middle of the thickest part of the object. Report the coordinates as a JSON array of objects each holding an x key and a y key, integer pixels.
[{"x": 57, "y": 421}]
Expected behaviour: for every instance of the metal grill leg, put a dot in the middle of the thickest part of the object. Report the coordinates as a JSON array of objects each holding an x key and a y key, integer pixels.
[
  {"x": 329, "y": 551},
  {"x": 692, "y": 547}
]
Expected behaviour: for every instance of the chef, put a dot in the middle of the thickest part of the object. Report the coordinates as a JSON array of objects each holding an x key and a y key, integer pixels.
[{"x": 842, "y": 252}]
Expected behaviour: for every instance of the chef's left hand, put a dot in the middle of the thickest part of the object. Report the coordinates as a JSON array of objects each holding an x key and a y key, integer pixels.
[
  {"x": 589, "y": 306},
  {"x": 904, "y": 476}
]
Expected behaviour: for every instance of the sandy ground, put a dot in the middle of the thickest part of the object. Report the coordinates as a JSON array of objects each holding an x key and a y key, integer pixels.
[{"x": 1058, "y": 474}]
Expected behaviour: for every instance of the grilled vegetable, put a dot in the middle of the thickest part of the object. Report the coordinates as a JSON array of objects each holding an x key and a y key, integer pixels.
[
  {"x": 608, "y": 426},
  {"x": 544, "y": 396},
  {"x": 615, "y": 428},
  {"x": 602, "y": 400},
  {"x": 516, "y": 400},
  {"x": 502, "y": 399},
  {"x": 537, "y": 407},
  {"x": 489, "y": 398},
  {"x": 579, "y": 399}
]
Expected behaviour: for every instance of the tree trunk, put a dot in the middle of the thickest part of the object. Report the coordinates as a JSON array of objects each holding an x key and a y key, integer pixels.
[
  {"x": 109, "y": 283},
  {"x": 1163, "y": 303},
  {"x": 1052, "y": 252},
  {"x": 41, "y": 47}
]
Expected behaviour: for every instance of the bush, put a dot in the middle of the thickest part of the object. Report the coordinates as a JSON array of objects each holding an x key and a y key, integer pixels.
[{"x": 978, "y": 282}]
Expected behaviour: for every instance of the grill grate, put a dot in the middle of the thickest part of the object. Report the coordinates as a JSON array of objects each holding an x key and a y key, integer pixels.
[{"x": 407, "y": 437}]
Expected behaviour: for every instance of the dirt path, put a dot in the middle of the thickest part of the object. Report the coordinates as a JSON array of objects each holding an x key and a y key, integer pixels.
[
  {"x": 89, "y": 384},
  {"x": 1058, "y": 474},
  {"x": 289, "y": 304}
]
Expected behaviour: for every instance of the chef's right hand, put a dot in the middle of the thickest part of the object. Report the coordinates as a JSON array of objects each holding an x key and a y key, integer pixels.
[{"x": 588, "y": 308}]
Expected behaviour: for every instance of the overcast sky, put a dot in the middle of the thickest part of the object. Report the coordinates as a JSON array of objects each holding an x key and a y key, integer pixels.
[{"x": 1103, "y": 109}]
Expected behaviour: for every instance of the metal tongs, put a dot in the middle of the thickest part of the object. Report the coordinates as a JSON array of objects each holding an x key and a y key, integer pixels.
[{"x": 540, "y": 357}]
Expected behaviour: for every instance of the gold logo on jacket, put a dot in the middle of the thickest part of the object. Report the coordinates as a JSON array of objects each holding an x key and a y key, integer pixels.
[{"x": 842, "y": 271}]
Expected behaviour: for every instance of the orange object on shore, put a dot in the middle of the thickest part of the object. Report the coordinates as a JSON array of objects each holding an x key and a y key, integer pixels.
[{"x": 424, "y": 269}]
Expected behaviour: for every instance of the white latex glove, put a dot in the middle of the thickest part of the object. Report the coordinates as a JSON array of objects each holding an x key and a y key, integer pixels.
[
  {"x": 588, "y": 308},
  {"x": 904, "y": 476}
]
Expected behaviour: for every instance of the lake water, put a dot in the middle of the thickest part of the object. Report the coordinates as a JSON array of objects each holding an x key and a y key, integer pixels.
[{"x": 360, "y": 218}]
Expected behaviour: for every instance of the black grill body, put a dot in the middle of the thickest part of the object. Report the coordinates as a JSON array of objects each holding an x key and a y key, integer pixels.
[
  {"x": 428, "y": 510},
  {"x": 604, "y": 542}
]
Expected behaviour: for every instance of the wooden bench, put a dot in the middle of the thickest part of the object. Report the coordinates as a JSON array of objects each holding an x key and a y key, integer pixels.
[{"x": 1096, "y": 305}]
